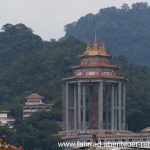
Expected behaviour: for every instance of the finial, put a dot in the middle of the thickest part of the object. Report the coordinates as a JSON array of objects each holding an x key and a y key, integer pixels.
[{"x": 95, "y": 45}]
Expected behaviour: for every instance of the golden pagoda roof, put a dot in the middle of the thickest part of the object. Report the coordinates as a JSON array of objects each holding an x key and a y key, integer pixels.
[{"x": 96, "y": 50}]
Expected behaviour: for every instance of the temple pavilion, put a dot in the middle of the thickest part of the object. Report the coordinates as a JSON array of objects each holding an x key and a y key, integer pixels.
[
  {"x": 94, "y": 96},
  {"x": 35, "y": 103}
]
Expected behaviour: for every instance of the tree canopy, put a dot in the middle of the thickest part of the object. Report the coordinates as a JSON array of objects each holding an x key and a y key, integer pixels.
[{"x": 37, "y": 132}]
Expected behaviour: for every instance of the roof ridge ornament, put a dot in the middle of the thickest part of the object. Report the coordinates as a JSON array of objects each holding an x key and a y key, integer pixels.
[
  {"x": 95, "y": 45},
  {"x": 96, "y": 49},
  {"x": 87, "y": 45}
]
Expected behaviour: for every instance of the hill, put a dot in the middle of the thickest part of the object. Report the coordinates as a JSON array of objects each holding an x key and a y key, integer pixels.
[
  {"x": 28, "y": 64},
  {"x": 124, "y": 31}
]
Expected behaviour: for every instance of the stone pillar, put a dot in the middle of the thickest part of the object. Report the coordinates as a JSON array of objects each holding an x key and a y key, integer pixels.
[
  {"x": 119, "y": 107},
  {"x": 64, "y": 106},
  {"x": 100, "y": 105},
  {"x": 90, "y": 97},
  {"x": 124, "y": 104},
  {"x": 75, "y": 107},
  {"x": 84, "y": 108},
  {"x": 106, "y": 108},
  {"x": 67, "y": 107},
  {"x": 79, "y": 106},
  {"x": 116, "y": 107},
  {"x": 112, "y": 108}
]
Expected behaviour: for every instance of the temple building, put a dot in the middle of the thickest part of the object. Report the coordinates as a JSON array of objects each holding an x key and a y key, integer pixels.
[
  {"x": 94, "y": 102},
  {"x": 94, "y": 96},
  {"x": 5, "y": 119},
  {"x": 35, "y": 103}
]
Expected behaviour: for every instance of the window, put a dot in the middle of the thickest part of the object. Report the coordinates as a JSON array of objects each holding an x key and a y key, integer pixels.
[{"x": 78, "y": 73}]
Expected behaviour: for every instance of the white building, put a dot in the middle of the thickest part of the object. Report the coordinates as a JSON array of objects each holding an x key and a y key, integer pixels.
[
  {"x": 35, "y": 103},
  {"x": 5, "y": 120}
]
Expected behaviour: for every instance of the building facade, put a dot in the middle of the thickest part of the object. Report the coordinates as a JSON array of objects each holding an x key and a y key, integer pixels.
[
  {"x": 102, "y": 137},
  {"x": 94, "y": 96},
  {"x": 35, "y": 103},
  {"x": 5, "y": 119}
]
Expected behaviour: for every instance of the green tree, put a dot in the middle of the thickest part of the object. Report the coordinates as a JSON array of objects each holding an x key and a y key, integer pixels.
[{"x": 38, "y": 132}]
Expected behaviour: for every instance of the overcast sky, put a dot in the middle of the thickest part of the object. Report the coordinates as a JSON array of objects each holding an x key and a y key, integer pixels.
[{"x": 48, "y": 17}]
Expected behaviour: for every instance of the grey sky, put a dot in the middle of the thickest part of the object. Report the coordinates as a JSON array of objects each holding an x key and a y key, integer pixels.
[{"x": 48, "y": 17}]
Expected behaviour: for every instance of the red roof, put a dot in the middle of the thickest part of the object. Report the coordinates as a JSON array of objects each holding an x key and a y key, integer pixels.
[
  {"x": 95, "y": 65},
  {"x": 34, "y": 96},
  {"x": 96, "y": 76},
  {"x": 4, "y": 111}
]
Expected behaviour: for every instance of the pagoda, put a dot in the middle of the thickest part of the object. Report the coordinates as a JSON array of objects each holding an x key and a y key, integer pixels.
[
  {"x": 35, "y": 103},
  {"x": 94, "y": 96}
]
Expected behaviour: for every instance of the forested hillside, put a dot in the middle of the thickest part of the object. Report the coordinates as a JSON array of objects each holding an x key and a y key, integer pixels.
[
  {"x": 125, "y": 31},
  {"x": 29, "y": 64}
]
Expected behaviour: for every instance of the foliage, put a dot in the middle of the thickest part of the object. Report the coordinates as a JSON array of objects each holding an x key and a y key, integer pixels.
[
  {"x": 28, "y": 64},
  {"x": 5, "y": 133},
  {"x": 38, "y": 132}
]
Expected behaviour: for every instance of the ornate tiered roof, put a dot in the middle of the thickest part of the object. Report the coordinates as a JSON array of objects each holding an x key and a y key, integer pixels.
[
  {"x": 96, "y": 50},
  {"x": 34, "y": 96},
  {"x": 95, "y": 63}
]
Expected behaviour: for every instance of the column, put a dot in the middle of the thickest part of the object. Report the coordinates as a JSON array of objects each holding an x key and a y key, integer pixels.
[
  {"x": 75, "y": 107},
  {"x": 112, "y": 108},
  {"x": 124, "y": 101},
  {"x": 67, "y": 107},
  {"x": 84, "y": 108},
  {"x": 79, "y": 106},
  {"x": 106, "y": 108},
  {"x": 116, "y": 106},
  {"x": 64, "y": 106},
  {"x": 119, "y": 107},
  {"x": 100, "y": 105}
]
